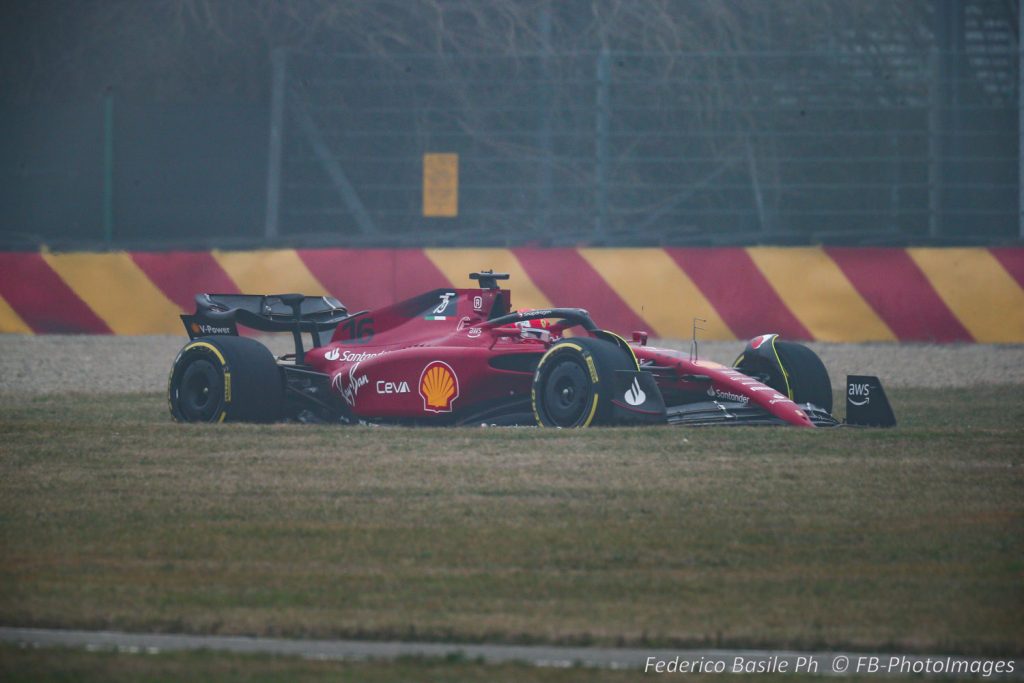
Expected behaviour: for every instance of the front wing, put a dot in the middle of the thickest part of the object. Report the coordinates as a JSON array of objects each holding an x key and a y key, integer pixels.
[{"x": 724, "y": 413}]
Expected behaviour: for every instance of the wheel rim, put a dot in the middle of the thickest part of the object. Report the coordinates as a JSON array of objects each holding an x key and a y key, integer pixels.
[
  {"x": 567, "y": 393},
  {"x": 201, "y": 393}
]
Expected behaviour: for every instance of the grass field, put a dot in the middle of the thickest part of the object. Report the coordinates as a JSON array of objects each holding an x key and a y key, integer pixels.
[
  {"x": 60, "y": 665},
  {"x": 111, "y": 516}
]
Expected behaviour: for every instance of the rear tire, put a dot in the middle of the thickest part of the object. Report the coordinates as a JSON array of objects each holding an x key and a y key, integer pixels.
[
  {"x": 225, "y": 379},
  {"x": 574, "y": 383},
  {"x": 808, "y": 378}
]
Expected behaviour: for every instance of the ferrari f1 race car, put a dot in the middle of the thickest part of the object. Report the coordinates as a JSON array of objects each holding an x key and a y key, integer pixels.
[{"x": 465, "y": 357}]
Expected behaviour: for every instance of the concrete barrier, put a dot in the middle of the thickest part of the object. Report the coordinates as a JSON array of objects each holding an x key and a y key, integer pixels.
[{"x": 811, "y": 293}]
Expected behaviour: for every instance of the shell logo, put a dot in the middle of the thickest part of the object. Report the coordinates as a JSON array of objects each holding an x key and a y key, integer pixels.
[{"x": 439, "y": 387}]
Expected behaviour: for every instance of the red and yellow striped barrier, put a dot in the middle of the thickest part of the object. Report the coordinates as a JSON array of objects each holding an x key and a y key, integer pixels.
[{"x": 829, "y": 294}]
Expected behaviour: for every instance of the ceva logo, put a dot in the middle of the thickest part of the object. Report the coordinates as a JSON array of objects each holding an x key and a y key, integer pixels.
[{"x": 392, "y": 387}]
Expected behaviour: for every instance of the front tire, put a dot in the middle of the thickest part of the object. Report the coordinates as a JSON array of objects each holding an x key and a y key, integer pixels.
[
  {"x": 574, "y": 383},
  {"x": 808, "y": 379},
  {"x": 225, "y": 379}
]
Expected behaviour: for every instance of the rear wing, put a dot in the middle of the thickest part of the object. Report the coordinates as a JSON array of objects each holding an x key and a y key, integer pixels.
[{"x": 218, "y": 314}]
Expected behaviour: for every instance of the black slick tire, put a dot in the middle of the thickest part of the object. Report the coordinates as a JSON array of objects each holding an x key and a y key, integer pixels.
[
  {"x": 574, "y": 382},
  {"x": 225, "y": 379},
  {"x": 808, "y": 379}
]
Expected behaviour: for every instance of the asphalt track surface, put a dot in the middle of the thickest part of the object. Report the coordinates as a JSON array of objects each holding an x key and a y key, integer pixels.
[{"x": 761, "y": 661}]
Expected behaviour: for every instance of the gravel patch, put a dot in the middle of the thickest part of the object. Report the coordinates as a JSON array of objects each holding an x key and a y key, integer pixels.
[
  {"x": 43, "y": 364},
  {"x": 102, "y": 364}
]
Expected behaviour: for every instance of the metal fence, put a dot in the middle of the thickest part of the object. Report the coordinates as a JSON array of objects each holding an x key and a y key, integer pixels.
[
  {"x": 890, "y": 145},
  {"x": 910, "y": 136},
  {"x": 124, "y": 173}
]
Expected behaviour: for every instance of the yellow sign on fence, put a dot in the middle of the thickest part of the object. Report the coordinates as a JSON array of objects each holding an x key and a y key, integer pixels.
[{"x": 441, "y": 185}]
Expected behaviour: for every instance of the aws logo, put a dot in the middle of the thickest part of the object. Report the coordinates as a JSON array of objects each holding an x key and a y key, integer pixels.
[
  {"x": 859, "y": 394},
  {"x": 439, "y": 387}
]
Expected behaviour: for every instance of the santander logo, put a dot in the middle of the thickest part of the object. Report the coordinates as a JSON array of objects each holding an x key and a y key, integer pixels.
[{"x": 635, "y": 395}]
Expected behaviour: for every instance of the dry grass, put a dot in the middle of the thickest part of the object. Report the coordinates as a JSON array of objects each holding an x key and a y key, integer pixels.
[{"x": 111, "y": 516}]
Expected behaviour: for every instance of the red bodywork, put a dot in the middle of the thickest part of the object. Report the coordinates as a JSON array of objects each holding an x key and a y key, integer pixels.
[{"x": 436, "y": 358}]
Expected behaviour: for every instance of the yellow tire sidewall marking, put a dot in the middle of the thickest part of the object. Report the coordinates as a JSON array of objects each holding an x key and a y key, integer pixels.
[
  {"x": 593, "y": 410},
  {"x": 206, "y": 345},
  {"x": 224, "y": 365},
  {"x": 593, "y": 376},
  {"x": 785, "y": 373}
]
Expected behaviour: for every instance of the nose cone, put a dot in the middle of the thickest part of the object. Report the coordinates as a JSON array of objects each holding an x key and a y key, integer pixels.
[{"x": 802, "y": 419}]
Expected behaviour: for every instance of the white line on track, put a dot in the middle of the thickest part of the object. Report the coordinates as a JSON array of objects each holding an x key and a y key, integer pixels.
[{"x": 827, "y": 663}]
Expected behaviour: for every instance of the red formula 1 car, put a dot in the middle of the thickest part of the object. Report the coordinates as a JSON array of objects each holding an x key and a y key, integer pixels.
[{"x": 464, "y": 357}]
